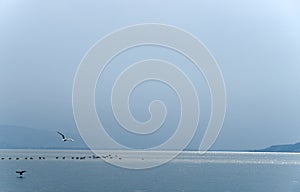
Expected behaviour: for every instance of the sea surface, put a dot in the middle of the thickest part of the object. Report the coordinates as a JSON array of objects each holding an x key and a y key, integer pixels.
[{"x": 76, "y": 170}]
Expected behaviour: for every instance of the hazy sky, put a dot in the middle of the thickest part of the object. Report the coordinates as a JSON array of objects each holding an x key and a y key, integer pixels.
[{"x": 256, "y": 44}]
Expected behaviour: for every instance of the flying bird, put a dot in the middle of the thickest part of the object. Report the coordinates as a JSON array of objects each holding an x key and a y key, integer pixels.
[
  {"x": 20, "y": 173},
  {"x": 65, "y": 138}
]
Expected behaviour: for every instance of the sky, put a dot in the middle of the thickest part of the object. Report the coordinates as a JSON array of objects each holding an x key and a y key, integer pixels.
[{"x": 256, "y": 44}]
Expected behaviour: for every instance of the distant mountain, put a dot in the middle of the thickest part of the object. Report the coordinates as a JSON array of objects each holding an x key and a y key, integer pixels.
[
  {"x": 16, "y": 137},
  {"x": 281, "y": 148}
]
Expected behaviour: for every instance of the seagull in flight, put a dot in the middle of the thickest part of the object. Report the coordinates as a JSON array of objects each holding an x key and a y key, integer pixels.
[
  {"x": 20, "y": 173},
  {"x": 65, "y": 138}
]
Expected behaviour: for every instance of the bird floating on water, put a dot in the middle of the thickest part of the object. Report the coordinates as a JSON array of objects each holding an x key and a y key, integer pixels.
[
  {"x": 20, "y": 173},
  {"x": 65, "y": 138}
]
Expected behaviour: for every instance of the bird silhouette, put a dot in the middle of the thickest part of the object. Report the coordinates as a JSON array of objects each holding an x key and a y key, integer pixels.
[
  {"x": 64, "y": 138},
  {"x": 20, "y": 173}
]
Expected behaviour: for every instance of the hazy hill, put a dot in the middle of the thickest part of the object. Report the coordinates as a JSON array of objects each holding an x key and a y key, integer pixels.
[
  {"x": 282, "y": 148},
  {"x": 15, "y": 137}
]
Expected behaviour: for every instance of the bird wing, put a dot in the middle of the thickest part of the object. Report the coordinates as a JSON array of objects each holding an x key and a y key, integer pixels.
[{"x": 63, "y": 136}]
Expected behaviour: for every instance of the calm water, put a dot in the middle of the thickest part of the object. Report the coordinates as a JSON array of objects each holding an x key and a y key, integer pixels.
[{"x": 213, "y": 172}]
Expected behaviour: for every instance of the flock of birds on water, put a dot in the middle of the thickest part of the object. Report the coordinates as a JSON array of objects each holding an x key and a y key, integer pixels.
[{"x": 64, "y": 139}]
